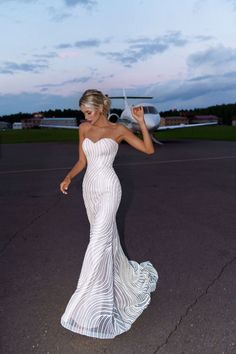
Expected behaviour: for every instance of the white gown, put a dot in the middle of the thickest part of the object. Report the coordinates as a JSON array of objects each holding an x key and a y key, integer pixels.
[{"x": 111, "y": 291}]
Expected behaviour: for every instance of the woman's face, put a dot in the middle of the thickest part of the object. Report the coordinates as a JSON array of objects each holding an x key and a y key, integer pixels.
[{"x": 91, "y": 114}]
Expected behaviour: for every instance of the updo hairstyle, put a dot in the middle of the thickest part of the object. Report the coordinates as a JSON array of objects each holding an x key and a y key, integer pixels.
[{"x": 96, "y": 99}]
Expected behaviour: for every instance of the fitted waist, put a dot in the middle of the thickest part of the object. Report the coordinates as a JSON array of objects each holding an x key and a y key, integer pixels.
[
  {"x": 100, "y": 177},
  {"x": 99, "y": 168}
]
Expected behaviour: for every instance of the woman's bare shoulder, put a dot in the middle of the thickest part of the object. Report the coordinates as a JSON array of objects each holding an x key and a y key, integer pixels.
[
  {"x": 120, "y": 127},
  {"x": 84, "y": 126}
]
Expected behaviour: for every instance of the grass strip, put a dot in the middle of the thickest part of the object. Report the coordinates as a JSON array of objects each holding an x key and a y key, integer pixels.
[{"x": 222, "y": 132}]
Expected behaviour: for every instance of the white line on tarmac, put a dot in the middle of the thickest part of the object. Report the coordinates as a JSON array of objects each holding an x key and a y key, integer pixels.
[
  {"x": 174, "y": 161},
  {"x": 34, "y": 170},
  {"x": 124, "y": 164}
]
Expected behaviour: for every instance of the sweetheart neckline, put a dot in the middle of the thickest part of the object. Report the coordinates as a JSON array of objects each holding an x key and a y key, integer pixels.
[{"x": 95, "y": 142}]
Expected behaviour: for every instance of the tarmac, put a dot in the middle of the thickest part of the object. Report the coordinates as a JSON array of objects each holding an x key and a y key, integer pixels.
[{"x": 177, "y": 210}]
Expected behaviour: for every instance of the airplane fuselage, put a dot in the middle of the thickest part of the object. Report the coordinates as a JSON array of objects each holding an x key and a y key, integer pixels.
[{"x": 151, "y": 116}]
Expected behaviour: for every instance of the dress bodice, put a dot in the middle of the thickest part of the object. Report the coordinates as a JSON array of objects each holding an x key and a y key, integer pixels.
[
  {"x": 100, "y": 176},
  {"x": 101, "y": 153}
]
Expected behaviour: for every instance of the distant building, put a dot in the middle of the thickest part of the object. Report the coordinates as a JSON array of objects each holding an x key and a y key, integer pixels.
[
  {"x": 203, "y": 119},
  {"x": 176, "y": 120},
  {"x": 162, "y": 122},
  {"x": 17, "y": 125},
  {"x": 4, "y": 125},
  {"x": 32, "y": 122},
  {"x": 64, "y": 122},
  {"x": 234, "y": 121}
]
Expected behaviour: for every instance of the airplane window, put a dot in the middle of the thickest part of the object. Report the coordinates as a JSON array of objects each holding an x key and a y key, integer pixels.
[{"x": 150, "y": 110}]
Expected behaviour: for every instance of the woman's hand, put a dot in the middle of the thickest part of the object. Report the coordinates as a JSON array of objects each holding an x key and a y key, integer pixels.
[
  {"x": 64, "y": 185},
  {"x": 138, "y": 113}
]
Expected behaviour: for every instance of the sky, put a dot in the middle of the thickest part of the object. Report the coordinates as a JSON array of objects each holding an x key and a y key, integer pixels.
[{"x": 183, "y": 53}]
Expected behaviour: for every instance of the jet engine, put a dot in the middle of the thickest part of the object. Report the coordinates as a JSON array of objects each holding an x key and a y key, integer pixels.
[{"x": 113, "y": 117}]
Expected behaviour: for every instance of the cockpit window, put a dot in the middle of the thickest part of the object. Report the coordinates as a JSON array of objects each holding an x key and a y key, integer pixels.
[{"x": 150, "y": 110}]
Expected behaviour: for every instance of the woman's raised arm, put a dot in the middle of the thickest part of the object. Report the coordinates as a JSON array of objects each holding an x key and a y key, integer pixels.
[{"x": 145, "y": 145}]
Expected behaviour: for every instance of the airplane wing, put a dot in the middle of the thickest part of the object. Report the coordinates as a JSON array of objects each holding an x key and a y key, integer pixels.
[
  {"x": 181, "y": 126},
  {"x": 59, "y": 126},
  {"x": 47, "y": 123},
  {"x": 164, "y": 127}
]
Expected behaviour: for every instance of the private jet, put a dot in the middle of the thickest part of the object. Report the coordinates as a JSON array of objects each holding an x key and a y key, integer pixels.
[{"x": 151, "y": 116}]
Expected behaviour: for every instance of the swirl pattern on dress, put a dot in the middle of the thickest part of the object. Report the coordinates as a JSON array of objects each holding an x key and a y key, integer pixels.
[{"x": 111, "y": 291}]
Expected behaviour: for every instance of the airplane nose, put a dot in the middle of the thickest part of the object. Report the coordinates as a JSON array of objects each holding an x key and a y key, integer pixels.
[{"x": 151, "y": 120}]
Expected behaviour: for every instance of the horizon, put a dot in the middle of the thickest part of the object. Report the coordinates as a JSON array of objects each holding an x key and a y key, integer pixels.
[
  {"x": 78, "y": 109},
  {"x": 183, "y": 54}
]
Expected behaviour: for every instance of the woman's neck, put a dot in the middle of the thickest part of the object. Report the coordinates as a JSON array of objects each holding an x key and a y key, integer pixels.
[{"x": 102, "y": 122}]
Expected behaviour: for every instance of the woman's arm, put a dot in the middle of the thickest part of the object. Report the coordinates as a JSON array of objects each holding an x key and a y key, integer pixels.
[
  {"x": 78, "y": 167},
  {"x": 144, "y": 145}
]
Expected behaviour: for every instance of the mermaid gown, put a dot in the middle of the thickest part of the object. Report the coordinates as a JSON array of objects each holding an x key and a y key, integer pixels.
[{"x": 111, "y": 291}]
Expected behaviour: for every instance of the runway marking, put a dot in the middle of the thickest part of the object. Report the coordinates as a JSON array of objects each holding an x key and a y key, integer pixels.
[
  {"x": 174, "y": 161},
  {"x": 35, "y": 170},
  {"x": 123, "y": 164}
]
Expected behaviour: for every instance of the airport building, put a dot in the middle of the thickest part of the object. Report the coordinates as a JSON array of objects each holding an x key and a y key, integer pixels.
[
  {"x": 177, "y": 120},
  {"x": 234, "y": 121},
  {"x": 32, "y": 122},
  {"x": 203, "y": 119},
  {"x": 38, "y": 120},
  {"x": 4, "y": 125},
  {"x": 64, "y": 122}
]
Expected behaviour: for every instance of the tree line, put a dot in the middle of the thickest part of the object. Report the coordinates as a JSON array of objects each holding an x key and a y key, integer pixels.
[{"x": 225, "y": 112}]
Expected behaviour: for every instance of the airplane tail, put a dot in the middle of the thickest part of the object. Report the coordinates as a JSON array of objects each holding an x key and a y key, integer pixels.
[{"x": 125, "y": 99}]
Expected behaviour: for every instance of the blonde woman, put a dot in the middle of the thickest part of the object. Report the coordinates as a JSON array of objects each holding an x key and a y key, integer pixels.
[{"x": 112, "y": 291}]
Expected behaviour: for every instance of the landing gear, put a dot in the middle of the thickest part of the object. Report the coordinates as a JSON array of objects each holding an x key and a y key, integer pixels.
[{"x": 155, "y": 140}]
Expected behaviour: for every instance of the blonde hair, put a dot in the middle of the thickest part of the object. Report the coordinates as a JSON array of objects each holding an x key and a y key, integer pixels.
[{"x": 96, "y": 99}]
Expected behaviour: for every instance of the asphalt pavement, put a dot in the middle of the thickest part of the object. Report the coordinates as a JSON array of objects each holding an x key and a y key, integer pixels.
[{"x": 177, "y": 210}]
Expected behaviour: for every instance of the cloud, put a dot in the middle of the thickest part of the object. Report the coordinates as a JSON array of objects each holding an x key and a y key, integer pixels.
[
  {"x": 204, "y": 38},
  {"x": 104, "y": 78},
  {"x": 86, "y": 3},
  {"x": 64, "y": 46},
  {"x": 231, "y": 74},
  {"x": 213, "y": 84},
  {"x": 213, "y": 56},
  {"x": 198, "y": 4},
  {"x": 62, "y": 10},
  {"x": 200, "y": 91},
  {"x": 82, "y": 44},
  {"x": 233, "y": 2},
  {"x": 9, "y": 67},
  {"x": 58, "y": 14},
  {"x": 35, "y": 102},
  {"x": 69, "y": 3},
  {"x": 143, "y": 48},
  {"x": 45, "y": 56},
  {"x": 88, "y": 43},
  {"x": 171, "y": 38},
  {"x": 94, "y": 75},
  {"x": 80, "y": 80},
  {"x": 126, "y": 58},
  {"x": 201, "y": 78},
  {"x": 24, "y": 1}
]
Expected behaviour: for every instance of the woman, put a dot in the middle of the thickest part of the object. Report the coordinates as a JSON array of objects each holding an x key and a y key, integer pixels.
[{"x": 111, "y": 291}]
